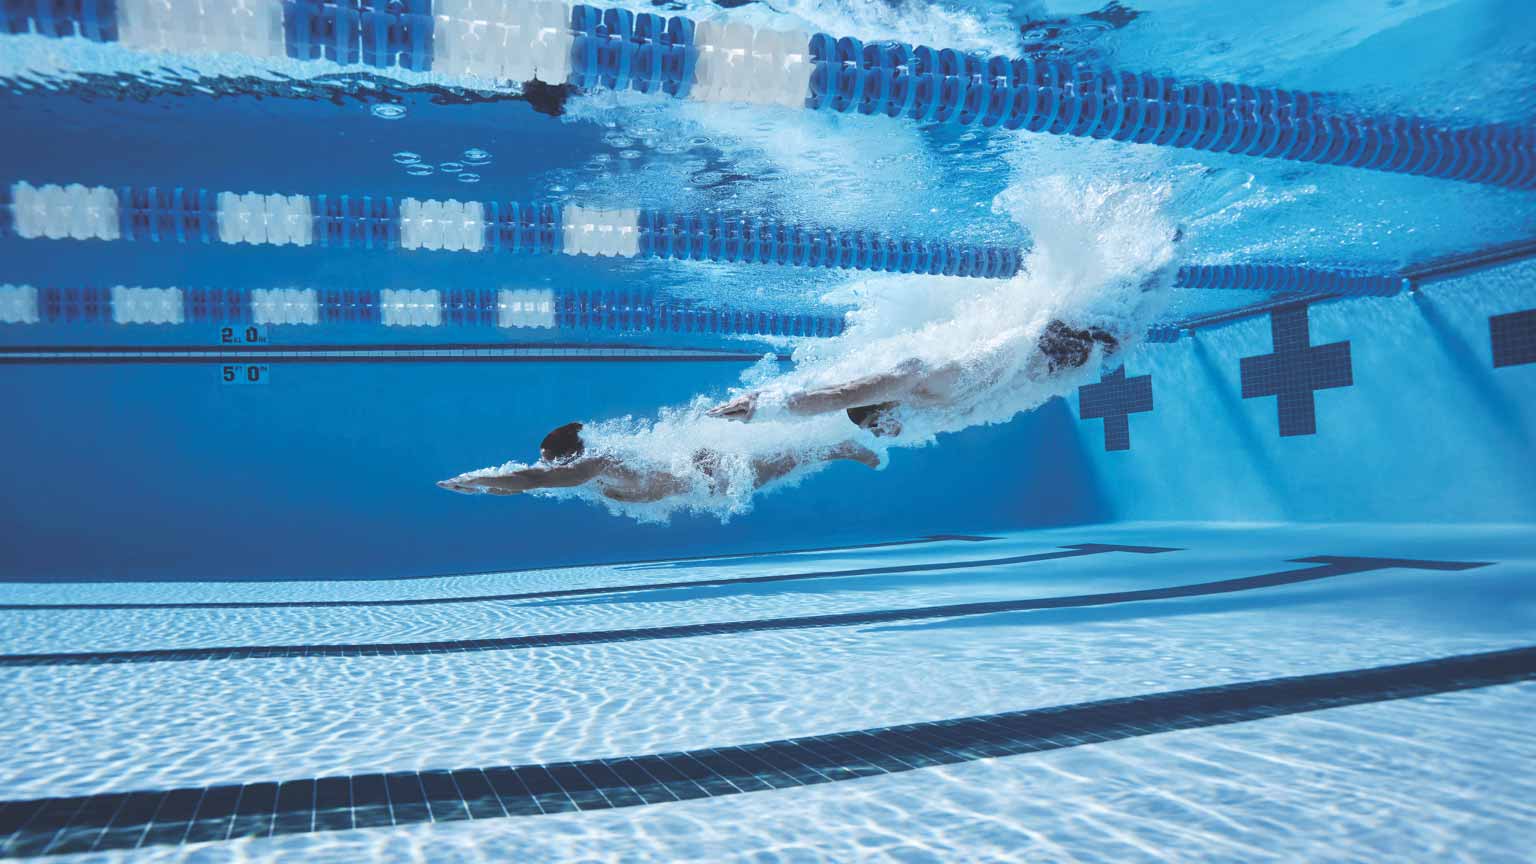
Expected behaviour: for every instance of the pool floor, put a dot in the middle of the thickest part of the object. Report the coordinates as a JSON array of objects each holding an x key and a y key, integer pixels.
[{"x": 1116, "y": 692}]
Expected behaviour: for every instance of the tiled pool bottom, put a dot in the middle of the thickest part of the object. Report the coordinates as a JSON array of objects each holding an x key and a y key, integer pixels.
[{"x": 1191, "y": 775}]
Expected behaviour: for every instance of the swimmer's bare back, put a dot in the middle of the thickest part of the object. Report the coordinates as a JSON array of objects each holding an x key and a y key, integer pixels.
[{"x": 620, "y": 483}]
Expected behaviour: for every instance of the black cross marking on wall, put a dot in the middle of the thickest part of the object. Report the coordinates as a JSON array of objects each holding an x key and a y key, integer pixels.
[
  {"x": 1295, "y": 370},
  {"x": 1114, "y": 398},
  {"x": 1514, "y": 338}
]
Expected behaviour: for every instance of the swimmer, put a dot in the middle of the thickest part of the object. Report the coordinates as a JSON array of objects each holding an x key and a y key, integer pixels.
[
  {"x": 564, "y": 463},
  {"x": 871, "y": 401}
]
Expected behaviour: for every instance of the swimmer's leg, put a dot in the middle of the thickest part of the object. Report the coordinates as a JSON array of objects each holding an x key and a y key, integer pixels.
[
  {"x": 853, "y": 451},
  {"x": 883, "y": 387},
  {"x": 765, "y": 471}
]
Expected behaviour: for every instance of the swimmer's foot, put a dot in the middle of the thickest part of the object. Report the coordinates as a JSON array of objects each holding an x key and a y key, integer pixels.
[
  {"x": 855, "y": 452},
  {"x": 741, "y": 408}
]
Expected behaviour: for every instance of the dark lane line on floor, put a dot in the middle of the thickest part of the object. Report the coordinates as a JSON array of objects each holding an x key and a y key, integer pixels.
[
  {"x": 664, "y": 563},
  {"x": 128, "y": 820},
  {"x": 1074, "y": 551},
  {"x": 634, "y": 563},
  {"x": 1326, "y": 566}
]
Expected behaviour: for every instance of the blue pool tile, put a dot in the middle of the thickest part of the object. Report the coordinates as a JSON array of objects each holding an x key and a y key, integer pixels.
[
  {"x": 1295, "y": 371},
  {"x": 333, "y": 804},
  {"x": 699, "y": 774},
  {"x": 789, "y": 759},
  {"x": 551, "y": 797},
  {"x": 295, "y": 813},
  {"x": 1514, "y": 338},
  {"x": 407, "y": 801},
  {"x": 650, "y": 789},
  {"x": 253, "y": 815},
  {"x": 731, "y": 771},
  {"x": 747, "y": 763},
  {"x": 679, "y": 786},
  {"x": 444, "y": 801},
  {"x": 174, "y": 818},
  {"x": 1114, "y": 399},
  {"x": 43, "y": 824},
  {"x": 87, "y": 825},
  {"x": 479, "y": 798},
  {"x": 581, "y": 790},
  {"x": 370, "y": 801},
  {"x": 132, "y": 821},
  {"x": 515, "y": 796},
  {"x": 214, "y": 814},
  {"x": 612, "y": 786},
  {"x": 13, "y": 815}
]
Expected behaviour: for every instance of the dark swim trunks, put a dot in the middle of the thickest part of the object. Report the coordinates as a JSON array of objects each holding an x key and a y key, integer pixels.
[{"x": 879, "y": 419}]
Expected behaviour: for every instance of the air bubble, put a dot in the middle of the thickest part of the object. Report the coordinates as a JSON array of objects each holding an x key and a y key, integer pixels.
[
  {"x": 476, "y": 156},
  {"x": 630, "y": 154},
  {"x": 698, "y": 141},
  {"x": 419, "y": 170},
  {"x": 617, "y": 141},
  {"x": 469, "y": 177},
  {"x": 706, "y": 178},
  {"x": 388, "y": 111},
  {"x": 406, "y": 157},
  {"x": 450, "y": 167}
]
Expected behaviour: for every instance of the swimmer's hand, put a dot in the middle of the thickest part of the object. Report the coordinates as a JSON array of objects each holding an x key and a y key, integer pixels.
[
  {"x": 476, "y": 486},
  {"x": 741, "y": 408}
]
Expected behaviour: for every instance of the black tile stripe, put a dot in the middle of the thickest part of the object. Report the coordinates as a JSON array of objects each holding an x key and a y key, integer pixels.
[
  {"x": 29, "y": 828},
  {"x": 636, "y": 564},
  {"x": 333, "y": 804},
  {"x": 1513, "y": 337},
  {"x": 1076, "y": 550},
  {"x": 214, "y": 812},
  {"x": 370, "y": 801},
  {"x": 701, "y": 560},
  {"x": 1325, "y": 566}
]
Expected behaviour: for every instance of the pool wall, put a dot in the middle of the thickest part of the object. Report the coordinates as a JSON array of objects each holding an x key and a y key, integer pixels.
[{"x": 1429, "y": 429}]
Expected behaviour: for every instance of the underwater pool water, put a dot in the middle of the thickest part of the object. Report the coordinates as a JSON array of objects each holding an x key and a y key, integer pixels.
[{"x": 1197, "y": 518}]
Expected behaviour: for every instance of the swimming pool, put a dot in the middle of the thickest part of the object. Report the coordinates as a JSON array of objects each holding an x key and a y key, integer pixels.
[{"x": 1248, "y": 579}]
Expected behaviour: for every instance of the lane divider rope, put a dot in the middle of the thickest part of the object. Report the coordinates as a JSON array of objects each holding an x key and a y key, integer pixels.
[{"x": 514, "y": 41}]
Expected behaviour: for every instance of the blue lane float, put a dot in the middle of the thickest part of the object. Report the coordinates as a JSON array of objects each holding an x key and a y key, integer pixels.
[
  {"x": 186, "y": 215},
  {"x": 629, "y": 311},
  {"x": 1278, "y": 278},
  {"x": 602, "y": 48}
]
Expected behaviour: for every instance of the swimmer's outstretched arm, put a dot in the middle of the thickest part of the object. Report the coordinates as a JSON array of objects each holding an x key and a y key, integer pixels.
[
  {"x": 527, "y": 479},
  {"x": 883, "y": 387}
]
